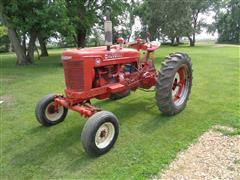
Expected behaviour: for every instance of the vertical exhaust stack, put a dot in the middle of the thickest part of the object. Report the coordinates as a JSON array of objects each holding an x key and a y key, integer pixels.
[{"x": 108, "y": 28}]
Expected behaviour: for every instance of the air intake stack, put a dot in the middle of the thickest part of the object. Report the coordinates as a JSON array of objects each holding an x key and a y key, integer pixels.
[{"x": 108, "y": 28}]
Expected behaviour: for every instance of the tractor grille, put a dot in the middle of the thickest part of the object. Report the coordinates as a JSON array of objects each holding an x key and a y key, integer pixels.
[{"x": 74, "y": 75}]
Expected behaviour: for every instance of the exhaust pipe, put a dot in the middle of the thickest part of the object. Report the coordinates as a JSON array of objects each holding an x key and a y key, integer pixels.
[{"x": 108, "y": 28}]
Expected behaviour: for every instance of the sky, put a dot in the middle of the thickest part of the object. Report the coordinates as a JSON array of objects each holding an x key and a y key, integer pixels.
[{"x": 208, "y": 19}]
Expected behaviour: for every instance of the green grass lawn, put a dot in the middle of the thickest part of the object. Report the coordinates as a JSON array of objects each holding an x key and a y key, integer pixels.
[{"x": 148, "y": 141}]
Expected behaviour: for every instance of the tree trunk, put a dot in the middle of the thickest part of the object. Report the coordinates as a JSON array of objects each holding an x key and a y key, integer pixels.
[
  {"x": 172, "y": 41},
  {"x": 21, "y": 56},
  {"x": 14, "y": 39},
  {"x": 43, "y": 47},
  {"x": 192, "y": 43},
  {"x": 24, "y": 43},
  {"x": 191, "y": 40},
  {"x": 195, "y": 17},
  {"x": 31, "y": 46},
  {"x": 96, "y": 42},
  {"x": 75, "y": 40},
  {"x": 238, "y": 37},
  {"x": 36, "y": 49},
  {"x": 81, "y": 37},
  {"x": 10, "y": 47},
  {"x": 177, "y": 40}
]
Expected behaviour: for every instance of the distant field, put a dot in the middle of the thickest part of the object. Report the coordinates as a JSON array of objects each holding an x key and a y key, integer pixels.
[{"x": 148, "y": 141}]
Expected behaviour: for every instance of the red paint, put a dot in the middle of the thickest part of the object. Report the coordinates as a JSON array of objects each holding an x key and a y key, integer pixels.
[
  {"x": 180, "y": 84},
  {"x": 96, "y": 73},
  {"x": 120, "y": 40}
]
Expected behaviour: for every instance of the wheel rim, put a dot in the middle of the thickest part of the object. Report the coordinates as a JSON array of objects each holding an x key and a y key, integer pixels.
[
  {"x": 104, "y": 135},
  {"x": 180, "y": 86},
  {"x": 52, "y": 114}
]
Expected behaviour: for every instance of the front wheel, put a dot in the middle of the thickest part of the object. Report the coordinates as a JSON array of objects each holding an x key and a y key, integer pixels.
[
  {"x": 174, "y": 83},
  {"x": 46, "y": 113},
  {"x": 100, "y": 133}
]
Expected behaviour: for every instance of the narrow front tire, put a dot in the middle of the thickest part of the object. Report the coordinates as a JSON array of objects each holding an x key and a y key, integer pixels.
[
  {"x": 46, "y": 114},
  {"x": 100, "y": 133}
]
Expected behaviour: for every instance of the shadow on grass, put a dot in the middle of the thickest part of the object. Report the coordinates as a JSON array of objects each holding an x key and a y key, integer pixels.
[
  {"x": 50, "y": 147},
  {"x": 38, "y": 129},
  {"x": 131, "y": 106},
  {"x": 65, "y": 142}
]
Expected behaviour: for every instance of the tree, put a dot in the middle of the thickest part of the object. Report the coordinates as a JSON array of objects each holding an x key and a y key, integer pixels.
[
  {"x": 84, "y": 14},
  {"x": 96, "y": 33},
  {"x": 54, "y": 23},
  {"x": 21, "y": 56},
  {"x": 162, "y": 18},
  {"x": 4, "y": 40},
  {"x": 176, "y": 21},
  {"x": 42, "y": 39},
  {"x": 173, "y": 18},
  {"x": 197, "y": 7},
  {"x": 123, "y": 16},
  {"x": 29, "y": 20},
  {"x": 143, "y": 10},
  {"x": 227, "y": 21}
]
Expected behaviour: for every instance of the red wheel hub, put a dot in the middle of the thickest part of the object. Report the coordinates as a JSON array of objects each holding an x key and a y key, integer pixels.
[
  {"x": 180, "y": 86},
  {"x": 51, "y": 109}
]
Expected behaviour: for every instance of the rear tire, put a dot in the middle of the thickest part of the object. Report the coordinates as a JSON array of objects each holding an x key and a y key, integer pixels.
[
  {"x": 46, "y": 114},
  {"x": 100, "y": 133},
  {"x": 174, "y": 83}
]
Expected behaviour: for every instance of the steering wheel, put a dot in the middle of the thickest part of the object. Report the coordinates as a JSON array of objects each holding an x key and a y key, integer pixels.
[
  {"x": 152, "y": 46},
  {"x": 142, "y": 45},
  {"x": 138, "y": 41},
  {"x": 138, "y": 44}
]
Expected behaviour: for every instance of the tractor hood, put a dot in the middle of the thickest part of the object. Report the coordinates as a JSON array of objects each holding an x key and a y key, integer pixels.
[{"x": 100, "y": 52}]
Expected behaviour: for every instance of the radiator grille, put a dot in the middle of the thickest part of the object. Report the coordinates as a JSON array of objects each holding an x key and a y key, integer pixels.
[{"x": 74, "y": 76}]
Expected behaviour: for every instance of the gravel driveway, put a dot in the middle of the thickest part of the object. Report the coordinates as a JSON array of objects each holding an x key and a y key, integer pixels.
[{"x": 213, "y": 156}]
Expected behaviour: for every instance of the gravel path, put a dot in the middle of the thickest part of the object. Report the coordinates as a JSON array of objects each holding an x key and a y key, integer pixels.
[{"x": 214, "y": 156}]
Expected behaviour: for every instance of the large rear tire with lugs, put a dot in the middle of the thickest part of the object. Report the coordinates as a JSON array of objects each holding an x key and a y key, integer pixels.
[{"x": 174, "y": 83}]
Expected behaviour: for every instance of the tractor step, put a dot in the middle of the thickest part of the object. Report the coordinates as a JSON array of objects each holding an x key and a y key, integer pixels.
[{"x": 116, "y": 87}]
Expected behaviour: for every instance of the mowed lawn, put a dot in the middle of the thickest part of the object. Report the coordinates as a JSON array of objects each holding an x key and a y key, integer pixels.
[{"x": 148, "y": 141}]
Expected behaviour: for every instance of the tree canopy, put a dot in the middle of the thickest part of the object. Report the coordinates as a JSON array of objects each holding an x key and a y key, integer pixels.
[
  {"x": 173, "y": 19},
  {"x": 30, "y": 19},
  {"x": 4, "y": 40},
  {"x": 227, "y": 21},
  {"x": 73, "y": 22}
]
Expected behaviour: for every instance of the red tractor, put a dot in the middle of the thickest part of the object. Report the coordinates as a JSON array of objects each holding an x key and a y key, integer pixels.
[{"x": 112, "y": 71}]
